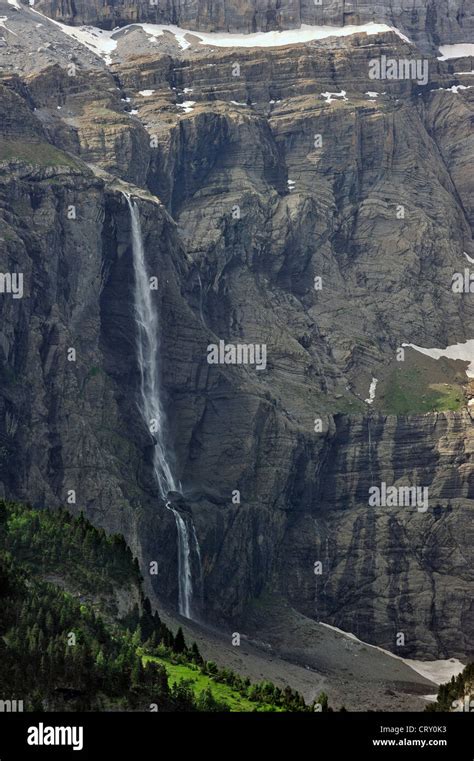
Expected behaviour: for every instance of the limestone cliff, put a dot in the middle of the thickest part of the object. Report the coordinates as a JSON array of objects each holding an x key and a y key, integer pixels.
[{"x": 250, "y": 187}]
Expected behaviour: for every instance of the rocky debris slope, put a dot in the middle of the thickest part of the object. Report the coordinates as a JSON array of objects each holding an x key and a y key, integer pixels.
[
  {"x": 254, "y": 181},
  {"x": 286, "y": 648}
]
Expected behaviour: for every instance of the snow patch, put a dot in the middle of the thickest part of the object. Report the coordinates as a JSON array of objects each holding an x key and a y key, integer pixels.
[
  {"x": 103, "y": 42},
  {"x": 438, "y": 672},
  {"x": 372, "y": 94},
  {"x": 464, "y": 351},
  {"x": 157, "y": 30},
  {"x": 236, "y": 103},
  {"x": 455, "y": 88},
  {"x": 187, "y": 106},
  {"x": 469, "y": 258},
  {"x": 329, "y": 96},
  {"x": 146, "y": 93},
  {"x": 96, "y": 40},
  {"x": 2, "y": 25},
  {"x": 460, "y": 50},
  {"x": 305, "y": 33},
  {"x": 372, "y": 388}
]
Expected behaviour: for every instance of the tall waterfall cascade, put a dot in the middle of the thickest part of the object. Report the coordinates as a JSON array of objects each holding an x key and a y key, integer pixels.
[{"x": 151, "y": 408}]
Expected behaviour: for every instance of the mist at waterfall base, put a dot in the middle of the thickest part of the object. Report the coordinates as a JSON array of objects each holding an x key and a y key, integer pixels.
[{"x": 151, "y": 408}]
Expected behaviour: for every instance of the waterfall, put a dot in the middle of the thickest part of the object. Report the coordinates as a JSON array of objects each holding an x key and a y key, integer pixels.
[
  {"x": 185, "y": 577},
  {"x": 151, "y": 408},
  {"x": 148, "y": 356},
  {"x": 370, "y": 451},
  {"x": 201, "y": 314}
]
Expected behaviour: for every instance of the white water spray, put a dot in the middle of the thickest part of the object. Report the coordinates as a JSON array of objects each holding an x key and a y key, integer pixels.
[
  {"x": 185, "y": 576},
  {"x": 152, "y": 411}
]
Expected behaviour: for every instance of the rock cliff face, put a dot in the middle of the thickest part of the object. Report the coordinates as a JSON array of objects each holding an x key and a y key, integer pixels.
[
  {"x": 424, "y": 20},
  {"x": 382, "y": 555},
  {"x": 326, "y": 227}
]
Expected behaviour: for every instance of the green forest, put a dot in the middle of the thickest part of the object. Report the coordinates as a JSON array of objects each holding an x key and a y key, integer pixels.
[{"x": 63, "y": 646}]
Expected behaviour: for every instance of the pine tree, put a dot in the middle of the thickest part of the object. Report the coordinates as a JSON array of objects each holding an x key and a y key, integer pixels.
[
  {"x": 195, "y": 654},
  {"x": 179, "y": 645},
  {"x": 137, "y": 672}
]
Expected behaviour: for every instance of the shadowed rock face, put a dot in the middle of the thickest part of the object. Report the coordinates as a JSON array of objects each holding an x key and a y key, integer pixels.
[
  {"x": 241, "y": 209},
  {"x": 427, "y": 21},
  {"x": 372, "y": 557}
]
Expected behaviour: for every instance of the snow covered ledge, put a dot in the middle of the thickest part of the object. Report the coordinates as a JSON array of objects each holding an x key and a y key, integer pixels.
[{"x": 103, "y": 43}]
